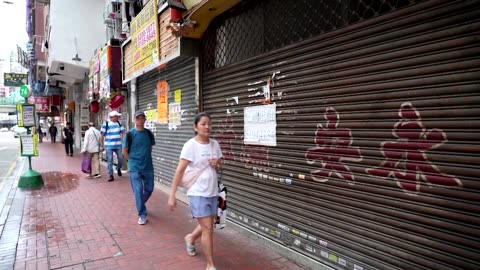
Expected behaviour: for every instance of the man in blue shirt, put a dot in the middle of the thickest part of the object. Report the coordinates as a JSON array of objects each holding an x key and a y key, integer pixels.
[
  {"x": 137, "y": 150},
  {"x": 111, "y": 139}
]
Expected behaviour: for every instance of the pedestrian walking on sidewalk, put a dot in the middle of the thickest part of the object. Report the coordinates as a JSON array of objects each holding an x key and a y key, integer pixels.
[
  {"x": 137, "y": 150},
  {"x": 91, "y": 146},
  {"x": 197, "y": 153},
  {"x": 53, "y": 133},
  {"x": 111, "y": 139},
  {"x": 68, "y": 139},
  {"x": 40, "y": 133}
]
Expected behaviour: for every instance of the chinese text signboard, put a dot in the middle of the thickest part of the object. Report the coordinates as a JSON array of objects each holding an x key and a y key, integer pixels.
[
  {"x": 104, "y": 61},
  {"x": 26, "y": 115},
  {"x": 162, "y": 105},
  {"x": 42, "y": 104},
  {"x": 260, "y": 125},
  {"x": 174, "y": 117},
  {"x": 15, "y": 79},
  {"x": 29, "y": 145},
  {"x": 144, "y": 32}
]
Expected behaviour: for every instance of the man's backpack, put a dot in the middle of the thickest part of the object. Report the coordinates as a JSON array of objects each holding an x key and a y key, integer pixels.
[
  {"x": 130, "y": 138},
  {"x": 106, "y": 125}
]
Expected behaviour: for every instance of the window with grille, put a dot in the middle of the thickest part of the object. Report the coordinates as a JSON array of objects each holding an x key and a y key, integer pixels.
[{"x": 254, "y": 27}]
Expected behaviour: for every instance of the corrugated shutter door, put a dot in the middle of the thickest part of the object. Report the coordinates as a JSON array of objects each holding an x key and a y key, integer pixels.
[
  {"x": 180, "y": 75},
  {"x": 378, "y": 143}
]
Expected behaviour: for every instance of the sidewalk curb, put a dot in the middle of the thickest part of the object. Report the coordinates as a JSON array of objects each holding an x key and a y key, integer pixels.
[{"x": 11, "y": 217}]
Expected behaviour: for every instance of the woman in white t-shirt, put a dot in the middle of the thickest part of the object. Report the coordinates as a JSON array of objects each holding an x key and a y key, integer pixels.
[{"x": 197, "y": 153}]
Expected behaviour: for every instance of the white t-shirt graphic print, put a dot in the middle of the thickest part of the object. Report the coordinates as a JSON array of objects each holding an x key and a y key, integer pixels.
[{"x": 198, "y": 154}]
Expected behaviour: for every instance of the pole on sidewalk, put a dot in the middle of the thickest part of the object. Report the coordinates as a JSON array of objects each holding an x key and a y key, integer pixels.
[{"x": 30, "y": 178}]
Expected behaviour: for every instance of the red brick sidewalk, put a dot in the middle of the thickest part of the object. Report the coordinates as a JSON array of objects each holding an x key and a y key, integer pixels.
[{"x": 78, "y": 223}]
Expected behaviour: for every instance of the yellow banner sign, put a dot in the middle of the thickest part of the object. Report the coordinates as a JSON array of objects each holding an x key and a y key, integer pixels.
[{"x": 144, "y": 32}]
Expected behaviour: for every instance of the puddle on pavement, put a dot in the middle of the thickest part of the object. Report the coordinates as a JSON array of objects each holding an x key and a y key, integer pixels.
[{"x": 56, "y": 183}]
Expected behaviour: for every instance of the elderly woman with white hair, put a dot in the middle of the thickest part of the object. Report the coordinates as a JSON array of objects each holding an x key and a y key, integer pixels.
[{"x": 91, "y": 146}]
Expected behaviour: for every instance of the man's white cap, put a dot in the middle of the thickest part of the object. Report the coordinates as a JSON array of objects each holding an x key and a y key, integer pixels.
[{"x": 114, "y": 113}]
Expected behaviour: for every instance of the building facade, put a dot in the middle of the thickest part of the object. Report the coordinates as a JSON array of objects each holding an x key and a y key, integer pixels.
[{"x": 350, "y": 129}]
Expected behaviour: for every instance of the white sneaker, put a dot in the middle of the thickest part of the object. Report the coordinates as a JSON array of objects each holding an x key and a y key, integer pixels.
[{"x": 142, "y": 220}]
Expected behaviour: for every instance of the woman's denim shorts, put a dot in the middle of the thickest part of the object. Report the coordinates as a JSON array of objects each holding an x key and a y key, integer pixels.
[{"x": 203, "y": 206}]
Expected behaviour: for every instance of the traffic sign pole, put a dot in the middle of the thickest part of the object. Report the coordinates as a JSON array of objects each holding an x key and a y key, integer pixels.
[{"x": 30, "y": 178}]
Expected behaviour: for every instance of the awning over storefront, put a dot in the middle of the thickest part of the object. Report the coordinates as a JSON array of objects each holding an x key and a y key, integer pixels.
[{"x": 203, "y": 13}]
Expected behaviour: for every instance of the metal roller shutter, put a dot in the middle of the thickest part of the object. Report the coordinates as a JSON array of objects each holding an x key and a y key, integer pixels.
[
  {"x": 180, "y": 75},
  {"x": 378, "y": 141}
]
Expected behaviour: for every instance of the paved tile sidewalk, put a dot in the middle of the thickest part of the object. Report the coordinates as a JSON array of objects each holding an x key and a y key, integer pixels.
[{"x": 78, "y": 223}]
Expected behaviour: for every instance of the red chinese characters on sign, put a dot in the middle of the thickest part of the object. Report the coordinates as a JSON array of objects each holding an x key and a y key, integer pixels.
[
  {"x": 333, "y": 148},
  {"x": 225, "y": 138},
  {"x": 406, "y": 161},
  {"x": 42, "y": 104}
]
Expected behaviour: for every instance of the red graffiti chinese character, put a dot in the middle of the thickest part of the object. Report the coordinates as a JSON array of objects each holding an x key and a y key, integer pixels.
[
  {"x": 333, "y": 147},
  {"x": 225, "y": 138},
  {"x": 406, "y": 161}
]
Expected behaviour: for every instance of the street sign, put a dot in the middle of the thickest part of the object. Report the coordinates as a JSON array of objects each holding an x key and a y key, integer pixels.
[
  {"x": 25, "y": 91},
  {"x": 26, "y": 115},
  {"x": 15, "y": 79},
  {"x": 29, "y": 145}
]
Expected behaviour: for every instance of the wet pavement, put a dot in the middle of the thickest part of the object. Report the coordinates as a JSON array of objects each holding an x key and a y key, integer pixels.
[{"x": 74, "y": 222}]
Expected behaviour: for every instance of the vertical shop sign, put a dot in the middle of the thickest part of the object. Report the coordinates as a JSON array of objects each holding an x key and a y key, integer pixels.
[
  {"x": 104, "y": 61},
  {"x": 162, "y": 102},
  {"x": 19, "y": 115},
  {"x": 260, "y": 125},
  {"x": 26, "y": 115},
  {"x": 94, "y": 83},
  {"x": 144, "y": 32},
  {"x": 84, "y": 117},
  {"x": 104, "y": 71}
]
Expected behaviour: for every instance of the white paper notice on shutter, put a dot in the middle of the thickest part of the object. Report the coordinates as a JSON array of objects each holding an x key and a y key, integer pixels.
[{"x": 260, "y": 125}]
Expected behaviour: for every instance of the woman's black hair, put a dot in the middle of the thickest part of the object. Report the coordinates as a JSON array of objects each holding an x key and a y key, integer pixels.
[{"x": 198, "y": 117}]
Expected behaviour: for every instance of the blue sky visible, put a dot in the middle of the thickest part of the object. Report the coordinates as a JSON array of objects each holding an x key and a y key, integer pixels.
[{"x": 12, "y": 26}]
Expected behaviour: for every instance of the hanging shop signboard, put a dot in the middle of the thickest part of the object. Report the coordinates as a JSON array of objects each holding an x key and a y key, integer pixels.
[
  {"x": 42, "y": 104},
  {"x": 15, "y": 79},
  {"x": 145, "y": 41}
]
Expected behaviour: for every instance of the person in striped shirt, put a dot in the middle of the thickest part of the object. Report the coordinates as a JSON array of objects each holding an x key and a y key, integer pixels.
[{"x": 111, "y": 138}]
